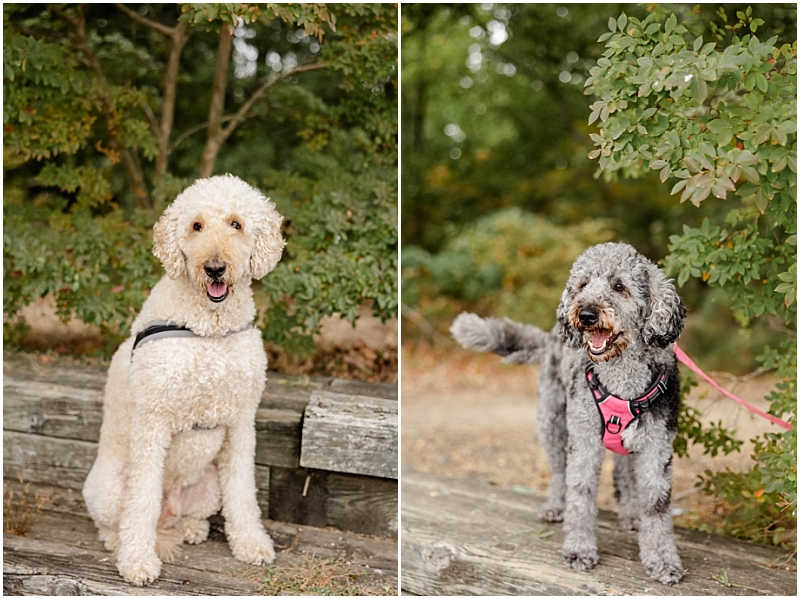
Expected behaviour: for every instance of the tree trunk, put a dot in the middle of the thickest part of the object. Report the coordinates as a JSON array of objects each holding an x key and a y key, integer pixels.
[
  {"x": 179, "y": 38},
  {"x": 215, "y": 134}
]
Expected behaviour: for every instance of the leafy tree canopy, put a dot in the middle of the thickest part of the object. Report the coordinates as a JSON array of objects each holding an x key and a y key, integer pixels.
[{"x": 110, "y": 110}]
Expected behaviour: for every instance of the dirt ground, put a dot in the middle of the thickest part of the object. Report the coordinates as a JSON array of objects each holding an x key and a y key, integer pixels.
[
  {"x": 467, "y": 415},
  {"x": 366, "y": 351}
]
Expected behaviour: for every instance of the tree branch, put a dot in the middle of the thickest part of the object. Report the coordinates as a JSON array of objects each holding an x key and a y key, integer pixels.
[
  {"x": 154, "y": 25},
  {"x": 193, "y": 130},
  {"x": 242, "y": 113},
  {"x": 170, "y": 95},
  {"x": 179, "y": 35},
  {"x": 213, "y": 141}
]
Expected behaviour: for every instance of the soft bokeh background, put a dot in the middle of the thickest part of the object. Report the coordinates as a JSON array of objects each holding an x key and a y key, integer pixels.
[{"x": 498, "y": 195}]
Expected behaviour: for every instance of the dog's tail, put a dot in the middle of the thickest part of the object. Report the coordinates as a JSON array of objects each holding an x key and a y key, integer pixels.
[{"x": 518, "y": 343}]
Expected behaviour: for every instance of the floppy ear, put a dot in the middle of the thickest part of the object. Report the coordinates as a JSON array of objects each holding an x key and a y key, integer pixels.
[
  {"x": 268, "y": 242},
  {"x": 665, "y": 310},
  {"x": 165, "y": 246},
  {"x": 571, "y": 336}
]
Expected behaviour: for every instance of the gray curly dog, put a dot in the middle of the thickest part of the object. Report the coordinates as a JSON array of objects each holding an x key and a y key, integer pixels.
[{"x": 617, "y": 320}]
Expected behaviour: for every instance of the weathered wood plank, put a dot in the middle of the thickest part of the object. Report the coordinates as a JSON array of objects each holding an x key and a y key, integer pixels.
[
  {"x": 354, "y": 434},
  {"x": 47, "y": 460},
  {"x": 469, "y": 538},
  {"x": 53, "y": 414},
  {"x": 61, "y": 403},
  {"x": 362, "y": 504},
  {"x": 299, "y": 495},
  {"x": 36, "y": 567},
  {"x": 262, "y": 488},
  {"x": 350, "y": 387},
  {"x": 52, "y": 409},
  {"x": 278, "y": 437},
  {"x": 62, "y": 554}
]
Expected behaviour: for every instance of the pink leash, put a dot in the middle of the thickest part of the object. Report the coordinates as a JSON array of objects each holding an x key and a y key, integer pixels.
[{"x": 696, "y": 369}]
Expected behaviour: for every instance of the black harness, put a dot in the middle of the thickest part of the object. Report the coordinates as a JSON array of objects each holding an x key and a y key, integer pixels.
[{"x": 161, "y": 329}]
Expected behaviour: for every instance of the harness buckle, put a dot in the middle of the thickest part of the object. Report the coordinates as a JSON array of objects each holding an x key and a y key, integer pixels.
[
  {"x": 614, "y": 425},
  {"x": 591, "y": 378}
]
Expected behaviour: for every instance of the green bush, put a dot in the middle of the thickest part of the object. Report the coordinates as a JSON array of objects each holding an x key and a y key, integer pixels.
[
  {"x": 93, "y": 152},
  {"x": 722, "y": 120},
  {"x": 512, "y": 260}
]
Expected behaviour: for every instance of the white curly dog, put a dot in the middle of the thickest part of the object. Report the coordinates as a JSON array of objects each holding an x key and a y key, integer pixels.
[{"x": 178, "y": 436}]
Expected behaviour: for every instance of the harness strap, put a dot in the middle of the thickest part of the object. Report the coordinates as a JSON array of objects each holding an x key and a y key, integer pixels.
[
  {"x": 616, "y": 413},
  {"x": 161, "y": 329}
]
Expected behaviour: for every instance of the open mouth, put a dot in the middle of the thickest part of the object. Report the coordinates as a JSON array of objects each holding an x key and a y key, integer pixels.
[
  {"x": 217, "y": 292},
  {"x": 601, "y": 341}
]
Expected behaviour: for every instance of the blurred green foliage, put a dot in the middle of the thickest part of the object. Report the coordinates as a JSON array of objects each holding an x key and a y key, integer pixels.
[
  {"x": 494, "y": 116},
  {"x": 721, "y": 116},
  {"x": 514, "y": 262},
  {"x": 310, "y": 103}
]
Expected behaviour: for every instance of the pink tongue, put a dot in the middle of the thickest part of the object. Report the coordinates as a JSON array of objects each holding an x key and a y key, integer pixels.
[
  {"x": 599, "y": 338},
  {"x": 217, "y": 289}
]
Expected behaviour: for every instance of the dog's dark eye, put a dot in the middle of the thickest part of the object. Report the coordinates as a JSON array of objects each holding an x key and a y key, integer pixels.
[
  {"x": 619, "y": 287},
  {"x": 197, "y": 227},
  {"x": 235, "y": 224}
]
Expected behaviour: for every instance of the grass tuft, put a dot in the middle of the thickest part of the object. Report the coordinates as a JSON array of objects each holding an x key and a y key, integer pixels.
[
  {"x": 19, "y": 510},
  {"x": 312, "y": 576}
]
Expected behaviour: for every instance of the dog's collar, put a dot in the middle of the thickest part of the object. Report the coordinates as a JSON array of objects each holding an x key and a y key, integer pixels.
[
  {"x": 616, "y": 413},
  {"x": 161, "y": 329}
]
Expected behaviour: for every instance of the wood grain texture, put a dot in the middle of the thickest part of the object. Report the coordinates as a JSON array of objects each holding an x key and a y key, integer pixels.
[
  {"x": 278, "y": 437},
  {"x": 355, "y": 434},
  {"x": 34, "y": 567},
  {"x": 362, "y": 504},
  {"x": 469, "y": 538},
  {"x": 53, "y": 413},
  {"x": 62, "y": 554},
  {"x": 299, "y": 495},
  {"x": 55, "y": 410},
  {"x": 47, "y": 460}
]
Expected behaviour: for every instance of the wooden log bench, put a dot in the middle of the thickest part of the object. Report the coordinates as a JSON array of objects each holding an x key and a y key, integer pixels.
[
  {"x": 326, "y": 456},
  {"x": 466, "y": 537}
]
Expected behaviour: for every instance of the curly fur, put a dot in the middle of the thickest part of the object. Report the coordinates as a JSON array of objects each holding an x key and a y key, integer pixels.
[
  {"x": 622, "y": 313},
  {"x": 178, "y": 439}
]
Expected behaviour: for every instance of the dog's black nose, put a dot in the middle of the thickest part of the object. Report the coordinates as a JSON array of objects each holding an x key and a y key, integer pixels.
[
  {"x": 214, "y": 269},
  {"x": 588, "y": 317}
]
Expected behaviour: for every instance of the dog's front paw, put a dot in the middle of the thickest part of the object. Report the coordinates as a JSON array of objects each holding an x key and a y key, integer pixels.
[
  {"x": 668, "y": 573},
  {"x": 257, "y": 550},
  {"x": 582, "y": 561},
  {"x": 140, "y": 571}
]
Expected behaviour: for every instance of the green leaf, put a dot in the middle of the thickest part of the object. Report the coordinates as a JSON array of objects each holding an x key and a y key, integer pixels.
[
  {"x": 652, "y": 28},
  {"x": 761, "y": 82},
  {"x": 670, "y": 24},
  {"x": 699, "y": 89}
]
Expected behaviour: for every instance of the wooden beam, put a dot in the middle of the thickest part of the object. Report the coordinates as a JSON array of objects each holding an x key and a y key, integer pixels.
[
  {"x": 466, "y": 537},
  {"x": 355, "y": 434}
]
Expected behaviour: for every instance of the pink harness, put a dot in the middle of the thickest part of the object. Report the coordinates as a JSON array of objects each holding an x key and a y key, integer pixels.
[{"x": 617, "y": 413}]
